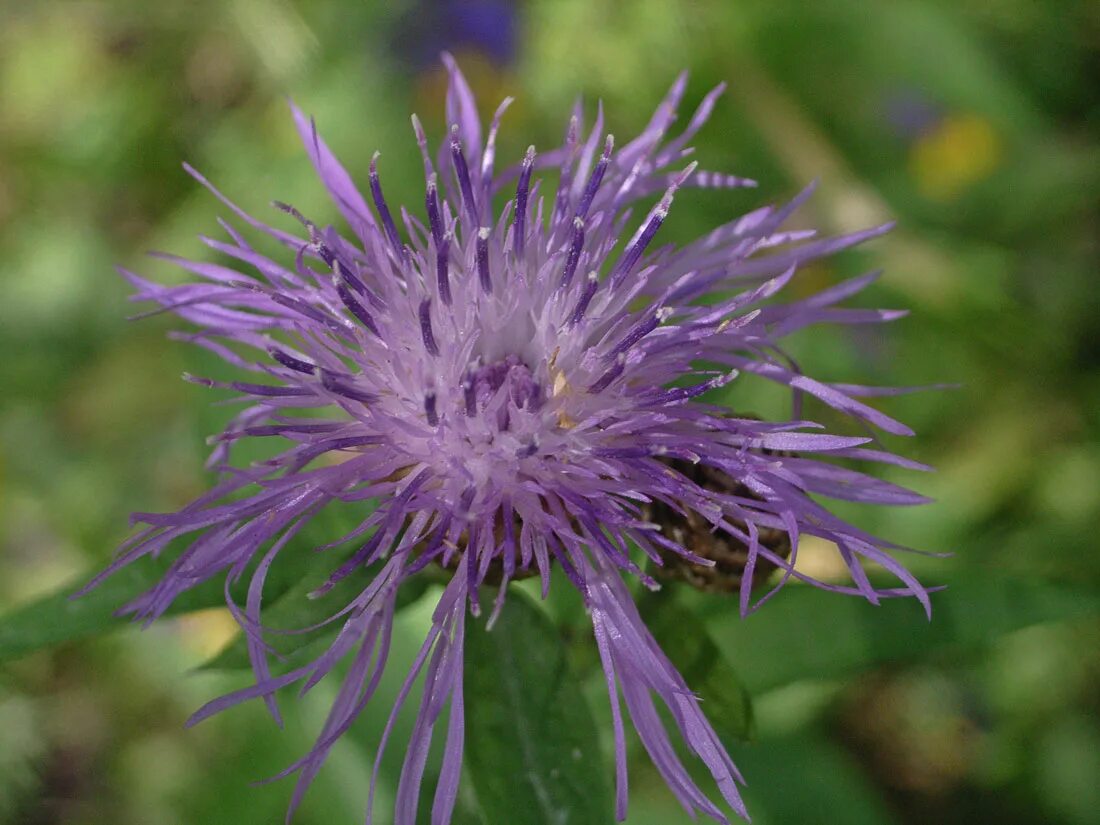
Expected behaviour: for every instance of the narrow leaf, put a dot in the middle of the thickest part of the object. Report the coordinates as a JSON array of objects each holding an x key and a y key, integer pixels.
[
  {"x": 295, "y": 610},
  {"x": 57, "y": 617}
]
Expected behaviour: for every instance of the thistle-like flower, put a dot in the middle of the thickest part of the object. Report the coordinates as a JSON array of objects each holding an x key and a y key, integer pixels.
[{"x": 518, "y": 390}]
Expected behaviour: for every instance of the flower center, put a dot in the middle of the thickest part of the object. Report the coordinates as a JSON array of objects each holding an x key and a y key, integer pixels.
[{"x": 521, "y": 388}]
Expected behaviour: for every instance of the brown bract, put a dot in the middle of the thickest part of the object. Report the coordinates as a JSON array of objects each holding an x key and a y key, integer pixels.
[{"x": 695, "y": 532}]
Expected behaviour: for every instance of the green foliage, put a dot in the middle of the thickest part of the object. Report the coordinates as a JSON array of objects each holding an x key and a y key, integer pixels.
[
  {"x": 993, "y": 186},
  {"x": 686, "y": 641},
  {"x": 295, "y": 610},
  {"x": 816, "y": 776},
  {"x": 61, "y": 616},
  {"x": 808, "y": 633},
  {"x": 533, "y": 751}
]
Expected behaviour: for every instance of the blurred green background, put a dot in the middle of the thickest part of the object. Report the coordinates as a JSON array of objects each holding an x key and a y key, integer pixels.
[{"x": 972, "y": 122}]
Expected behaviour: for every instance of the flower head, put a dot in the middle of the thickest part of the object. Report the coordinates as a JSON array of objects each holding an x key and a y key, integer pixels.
[{"x": 519, "y": 389}]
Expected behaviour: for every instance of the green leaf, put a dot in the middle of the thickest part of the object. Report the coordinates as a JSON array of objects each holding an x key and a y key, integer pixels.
[
  {"x": 532, "y": 748},
  {"x": 57, "y": 617},
  {"x": 294, "y": 609},
  {"x": 823, "y": 778},
  {"x": 806, "y": 633},
  {"x": 687, "y": 643}
]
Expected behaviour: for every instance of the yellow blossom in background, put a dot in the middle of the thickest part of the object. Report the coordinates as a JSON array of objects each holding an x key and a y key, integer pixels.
[{"x": 960, "y": 151}]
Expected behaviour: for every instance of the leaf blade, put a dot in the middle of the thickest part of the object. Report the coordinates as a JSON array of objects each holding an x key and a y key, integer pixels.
[
  {"x": 686, "y": 641},
  {"x": 525, "y": 704},
  {"x": 807, "y": 633},
  {"x": 58, "y": 617}
]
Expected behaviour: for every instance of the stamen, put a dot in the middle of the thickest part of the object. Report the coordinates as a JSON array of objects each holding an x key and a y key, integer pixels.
[
  {"x": 574, "y": 254},
  {"x": 585, "y": 299},
  {"x": 429, "y": 409},
  {"x": 341, "y": 385},
  {"x": 426, "y": 327},
  {"x": 643, "y": 237},
  {"x": 465, "y": 502},
  {"x": 198, "y": 379},
  {"x": 290, "y": 362},
  {"x": 442, "y": 260},
  {"x": 431, "y": 203},
  {"x": 679, "y": 394},
  {"x": 634, "y": 251},
  {"x": 376, "y": 300},
  {"x": 301, "y": 307},
  {"x": 311, "y": 227},
  {"x": 383, "y": 209},
  {"x": 534, "y": 396},
  {"x": 483, "y": 259},
  {"x": 267, "y": 390},
  {"x": 629, "y": 452},
  {"x": 315, "y": 240},
  {"x": 469, "y": 394},
  {"x": 489, "y": 155},
  {"x": 294, "y": 213},
  {"x": 641, "y": 330},
  {"x": 609, "y": 376},
  {"x": 565, "y": 179},
  {"x": 273, "y": 430},
  {"x": 422, "y": 142},
  {"x": 352, "y": 280},
  {"x": 519, "y": 222},
  {"x": 355, "y": 308},
  {"x": 463, "y": 172},
  {"x": 596, "y": 178},
  {"x": 530, "y": 449}
]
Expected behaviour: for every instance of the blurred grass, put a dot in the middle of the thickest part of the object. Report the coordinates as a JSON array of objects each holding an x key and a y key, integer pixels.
[{"x": 972, "y": 123}]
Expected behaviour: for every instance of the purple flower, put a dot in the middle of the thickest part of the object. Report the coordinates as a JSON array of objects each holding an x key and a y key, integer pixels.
[
  {"x": 483, "y": 27},
  {"x": 517, "y": 389}
]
